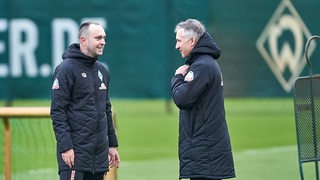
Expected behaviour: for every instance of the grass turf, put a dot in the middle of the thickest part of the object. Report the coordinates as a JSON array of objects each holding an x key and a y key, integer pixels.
[{"x": 262, "y": 133}]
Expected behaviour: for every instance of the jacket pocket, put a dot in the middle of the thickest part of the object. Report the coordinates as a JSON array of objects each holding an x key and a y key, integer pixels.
[
  {"x": 192, "y": 121},
  {"x": 196, "y": 121}
]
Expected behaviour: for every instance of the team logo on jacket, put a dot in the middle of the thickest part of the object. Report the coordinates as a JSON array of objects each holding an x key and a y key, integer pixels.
[
  {"x": 55, "y": 84},
  {"x": 102, "y": 86},
  {"x": 221, "y": 80},
  {"x": 84, "y": 74},
  {"x": 100, "y": 75},
  {"x": 189, "y": 76}
]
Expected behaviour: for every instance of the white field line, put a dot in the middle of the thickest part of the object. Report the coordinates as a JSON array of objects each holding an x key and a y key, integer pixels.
[{"x": 272, "y": 150}]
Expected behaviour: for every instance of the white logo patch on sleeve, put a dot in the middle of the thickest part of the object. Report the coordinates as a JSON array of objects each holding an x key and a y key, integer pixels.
[
  {"x": 55, "y": 84},
  {"x": 221, "y": 80},
  {"x": 189, "y": 77}
]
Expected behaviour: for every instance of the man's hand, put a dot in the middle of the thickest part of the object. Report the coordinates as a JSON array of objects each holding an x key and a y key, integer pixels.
[
  {"x": 114, "y": 158},
  {"x": 182, "y": 70},
  {"x": 68, "y": 157}
]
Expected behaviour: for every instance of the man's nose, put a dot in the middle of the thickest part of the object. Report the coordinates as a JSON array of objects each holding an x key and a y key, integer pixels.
[
  {"x": 103, "y": 41},
  {"x": 177, "y": 47}
]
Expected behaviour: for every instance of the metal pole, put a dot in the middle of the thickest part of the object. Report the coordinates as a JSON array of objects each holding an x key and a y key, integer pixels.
[
  {"x": 112, "y": 174},
  {"x": 7, "y": 148}
]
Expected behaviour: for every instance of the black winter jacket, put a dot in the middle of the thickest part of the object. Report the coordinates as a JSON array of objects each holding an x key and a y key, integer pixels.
[
  {"x": 204, "y": 143},
  {"x": 81, "y": 111}
]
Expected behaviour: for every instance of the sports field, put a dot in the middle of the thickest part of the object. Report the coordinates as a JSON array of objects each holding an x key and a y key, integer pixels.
[{"x": 262, "y": 134}]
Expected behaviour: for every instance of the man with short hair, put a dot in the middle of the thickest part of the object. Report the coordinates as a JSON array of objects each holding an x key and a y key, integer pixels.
[
  {"x": 197, "y": 90},
  {"x": 81, "y": 110}
]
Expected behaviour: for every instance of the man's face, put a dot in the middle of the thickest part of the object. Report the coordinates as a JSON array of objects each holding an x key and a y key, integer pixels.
[
  {"x": 183, "y": 44},
  {"x": 95, "y": 41}
]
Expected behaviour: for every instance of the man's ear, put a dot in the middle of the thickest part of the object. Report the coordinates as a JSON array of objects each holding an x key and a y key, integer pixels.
[
  {"x": 193, "y": 41},
  {"x": 82, "y": 40}
]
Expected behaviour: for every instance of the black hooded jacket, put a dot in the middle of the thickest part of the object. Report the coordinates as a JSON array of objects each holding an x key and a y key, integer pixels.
[
  {"x": 204, "y": 142},
  {"x": 81, "y": 111}
]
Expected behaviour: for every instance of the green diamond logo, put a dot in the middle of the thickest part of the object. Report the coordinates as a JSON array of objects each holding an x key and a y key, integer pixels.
[{"x": 282, "y": 42}]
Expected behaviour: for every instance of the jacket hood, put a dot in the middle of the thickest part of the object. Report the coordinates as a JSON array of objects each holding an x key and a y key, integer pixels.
[
  {"x": 73, "y": 52},
  {"x": 205, "y": 45}
]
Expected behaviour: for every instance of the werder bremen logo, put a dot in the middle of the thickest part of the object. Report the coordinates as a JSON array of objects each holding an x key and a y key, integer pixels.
[{"x": 282, "y": 44}]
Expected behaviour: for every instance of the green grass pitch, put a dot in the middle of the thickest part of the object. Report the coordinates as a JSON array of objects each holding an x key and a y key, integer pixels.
[{"x": 262, "y": 132}]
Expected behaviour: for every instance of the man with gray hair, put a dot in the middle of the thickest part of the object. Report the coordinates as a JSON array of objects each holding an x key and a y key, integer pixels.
[{"x": 197, "y": 90}]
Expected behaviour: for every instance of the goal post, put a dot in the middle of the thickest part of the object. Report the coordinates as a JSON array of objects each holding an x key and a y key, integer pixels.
[{"x": 6, "y": 113}]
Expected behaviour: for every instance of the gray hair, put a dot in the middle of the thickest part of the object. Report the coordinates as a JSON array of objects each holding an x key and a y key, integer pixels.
[{"x": 192, "y": 28}]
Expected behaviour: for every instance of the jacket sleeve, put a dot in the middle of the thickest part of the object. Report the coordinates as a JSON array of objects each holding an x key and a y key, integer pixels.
[
  {"x": 186, "y": 91},
  {"x": 61, "y": 93},
  {"x": 113, "y": 141}
]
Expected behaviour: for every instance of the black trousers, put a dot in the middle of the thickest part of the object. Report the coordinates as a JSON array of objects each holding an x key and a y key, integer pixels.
[
  {"x": 80, "y": 175},
  {"x": 203, "y": 179}
]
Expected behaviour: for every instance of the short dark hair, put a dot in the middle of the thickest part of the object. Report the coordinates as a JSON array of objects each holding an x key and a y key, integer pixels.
[{"x": 83, "y": 29}]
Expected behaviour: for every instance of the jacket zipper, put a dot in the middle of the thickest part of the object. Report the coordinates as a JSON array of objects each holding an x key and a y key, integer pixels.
[{"x": 95, "y": 79}]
